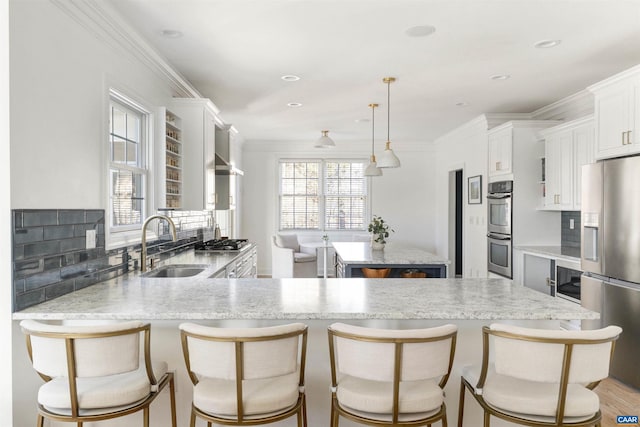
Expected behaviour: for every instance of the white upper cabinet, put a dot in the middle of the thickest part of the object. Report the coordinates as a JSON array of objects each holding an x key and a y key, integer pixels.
[
  {"x": 500, "y": 152},
  {"x": 198, "y": 145},
  {"x": 559, "y": 168},
  {"x": 617, "y": 114},
  {"x": 584, "y": 152},
  {"x": 567, "y": 148}
]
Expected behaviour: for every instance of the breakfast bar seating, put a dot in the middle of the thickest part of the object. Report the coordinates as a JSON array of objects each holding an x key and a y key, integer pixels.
[
  {"x": 94, "y": 373},
  {"x": 394, "y": 303},
  {"x": 388, "y": 377},
  {"x": 246, "y": 376},
  {"x": 538, "y": 377}
]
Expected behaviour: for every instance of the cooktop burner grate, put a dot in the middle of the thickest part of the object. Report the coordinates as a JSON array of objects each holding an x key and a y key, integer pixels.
[{"x": 221, "y": 245}]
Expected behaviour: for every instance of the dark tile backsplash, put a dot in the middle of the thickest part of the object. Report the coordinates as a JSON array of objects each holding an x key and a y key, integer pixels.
[
  {"x": 570, "y": 237},
  {"x": 50, "y": 258}
]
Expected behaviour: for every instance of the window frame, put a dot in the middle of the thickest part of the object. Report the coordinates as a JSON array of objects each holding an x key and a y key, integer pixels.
[
  {"x": 322, "y": 194},
  {"x": 120, "y": 235}
]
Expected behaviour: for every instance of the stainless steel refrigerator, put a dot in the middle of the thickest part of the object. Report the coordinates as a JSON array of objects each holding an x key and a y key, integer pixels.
[{"x": 610, "y": 255}]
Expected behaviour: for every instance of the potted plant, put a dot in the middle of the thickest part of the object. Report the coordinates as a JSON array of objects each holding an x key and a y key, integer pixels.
[{"x": 379, "y": 232}]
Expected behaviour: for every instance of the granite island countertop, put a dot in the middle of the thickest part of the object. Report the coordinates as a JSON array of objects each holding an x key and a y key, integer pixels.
[
  {"x": 201, "y": 298},
  {"x": 393, "y": 254}
]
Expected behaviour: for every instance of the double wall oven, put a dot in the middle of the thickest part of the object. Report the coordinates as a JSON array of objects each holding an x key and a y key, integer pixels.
[{"x": 499, "y": 202}]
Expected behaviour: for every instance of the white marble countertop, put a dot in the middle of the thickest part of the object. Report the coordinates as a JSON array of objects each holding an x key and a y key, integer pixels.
[
  {"x": 569, "y": 254},
  {"x": 393, "y": 254},
  {"x": 199, "y": 297}
]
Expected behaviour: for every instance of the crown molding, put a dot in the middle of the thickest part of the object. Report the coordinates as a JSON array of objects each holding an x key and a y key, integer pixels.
[
  {"x": 496, "y": 119},
  {"x": 623, "y": 75},
  {"x": 564, "y": 126},
  {"x": 577, "y": 105},
  {"x": 103, "y": 22},
  {"x": 473, "y": 126},
  {"x": 481, "y": 123}
]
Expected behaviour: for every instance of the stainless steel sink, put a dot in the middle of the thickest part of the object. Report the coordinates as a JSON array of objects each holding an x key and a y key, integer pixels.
[{"x": 175, "y": 271}]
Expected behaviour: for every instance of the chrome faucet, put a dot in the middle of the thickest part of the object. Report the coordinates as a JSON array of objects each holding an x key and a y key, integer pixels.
[{"x": 143, "y": 256}]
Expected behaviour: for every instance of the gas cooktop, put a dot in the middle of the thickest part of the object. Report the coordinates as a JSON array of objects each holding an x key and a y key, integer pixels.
[{"x": 221, "y": 245}]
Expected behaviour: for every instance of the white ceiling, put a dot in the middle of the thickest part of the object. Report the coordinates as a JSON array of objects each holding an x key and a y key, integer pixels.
[{"x": 235, "y": 51}]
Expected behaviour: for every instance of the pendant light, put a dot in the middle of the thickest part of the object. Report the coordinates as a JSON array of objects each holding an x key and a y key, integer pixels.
[
  {"x": 373, "y": 169},
  {"x": 324, "y": 141},
  {"x": 388, "y": 159}
]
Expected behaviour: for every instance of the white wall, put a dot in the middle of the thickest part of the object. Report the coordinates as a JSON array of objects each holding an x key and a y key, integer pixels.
[
  {"x": 6, "y": 368},
  {"x": 404, "y": 197},
  {"x": 464, "y": 148},
  {"x": 60, "y": 73}
]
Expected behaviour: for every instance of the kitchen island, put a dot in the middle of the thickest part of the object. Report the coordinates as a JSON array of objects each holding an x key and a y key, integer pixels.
[
  {"x": 388, "y": 303},
  {"x": 352, "y": 257}
]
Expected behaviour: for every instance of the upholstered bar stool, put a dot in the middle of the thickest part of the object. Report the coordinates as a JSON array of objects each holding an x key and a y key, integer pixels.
[
  {"x": 246, "y": 376},
  {"x": 96, "y": 372},
  {"x": 390, "y": 377},
  {"x": 540, "y": 377}
]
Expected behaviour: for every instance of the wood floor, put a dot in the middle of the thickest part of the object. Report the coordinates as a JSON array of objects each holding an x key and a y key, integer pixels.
[{"x": 617, "y": 399}]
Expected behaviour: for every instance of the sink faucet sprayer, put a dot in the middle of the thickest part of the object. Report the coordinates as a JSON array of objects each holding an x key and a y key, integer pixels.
[{"x": 143, "y": 256}]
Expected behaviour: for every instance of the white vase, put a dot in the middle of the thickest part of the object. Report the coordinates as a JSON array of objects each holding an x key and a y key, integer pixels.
[{"x": 377, "y": 246}]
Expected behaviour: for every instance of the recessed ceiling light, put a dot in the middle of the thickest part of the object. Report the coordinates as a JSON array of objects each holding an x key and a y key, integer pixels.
[
  {"x": 294, "y": 104},
  {"x": 362, "y": 120},
  {"x": 461, "y": 104},
  {"x": 500, "y": 77},
  {"x": 290, "y": 78},
  {"x": 171, "y": 34},
  {"x": 545, "y": 44},
  {"x": 421, "y": 31}
]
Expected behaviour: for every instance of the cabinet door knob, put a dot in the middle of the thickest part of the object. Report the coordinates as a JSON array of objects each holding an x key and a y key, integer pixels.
[
  {"x": 623, "y": 141},
  {"x": 628, "y": 137},
  {"x": 497, "y": 166}
]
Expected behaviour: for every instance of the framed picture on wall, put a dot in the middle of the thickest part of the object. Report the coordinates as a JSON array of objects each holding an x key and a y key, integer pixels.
[{"x": 474, "y": 190}]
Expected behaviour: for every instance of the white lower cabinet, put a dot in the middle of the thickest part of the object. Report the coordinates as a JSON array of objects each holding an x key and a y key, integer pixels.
[
  {"x": 567, "y": 148},
  {"x": 246, "y": 265},
  {"x": 537, "y": 273}
]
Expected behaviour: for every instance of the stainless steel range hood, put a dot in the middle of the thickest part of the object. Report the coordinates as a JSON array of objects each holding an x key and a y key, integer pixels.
[{"x": 222, "y": 167}]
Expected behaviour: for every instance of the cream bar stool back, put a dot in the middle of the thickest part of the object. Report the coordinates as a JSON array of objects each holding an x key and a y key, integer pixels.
[
  {"x": 94, "y": 373},
  {"x": 386, "y": 377},
  {"x": 540, "y": 377},
  {"x": 246, "y": 376}
]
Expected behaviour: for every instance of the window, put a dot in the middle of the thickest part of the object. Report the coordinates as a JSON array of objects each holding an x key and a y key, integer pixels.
[
  {"x": 317, "y": 194},
  {"x": 345, "y": 195},
  {"x": 127, "y": 164}
]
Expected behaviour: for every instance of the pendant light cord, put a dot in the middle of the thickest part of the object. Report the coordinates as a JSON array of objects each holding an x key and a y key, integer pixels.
[
  {"x": 373, "y": 129},
  {"x": 388, "y": 108}
]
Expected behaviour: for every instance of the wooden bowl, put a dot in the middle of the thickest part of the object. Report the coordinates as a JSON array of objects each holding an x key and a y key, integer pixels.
[{"x": 376, "y": 273}]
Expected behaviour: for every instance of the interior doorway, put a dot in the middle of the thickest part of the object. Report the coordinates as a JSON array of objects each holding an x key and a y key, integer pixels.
[{"x": 456, "y": 239}]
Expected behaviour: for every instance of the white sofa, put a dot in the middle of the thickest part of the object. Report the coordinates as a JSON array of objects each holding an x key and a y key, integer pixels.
[{"x": 288, "y": 259}]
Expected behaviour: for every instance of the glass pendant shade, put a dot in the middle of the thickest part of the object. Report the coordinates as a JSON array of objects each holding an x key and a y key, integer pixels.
[
  {"x": 373, "y": 169},
  {"x": 388, "y": 159},
  {"x": 324, "y": 141}
]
